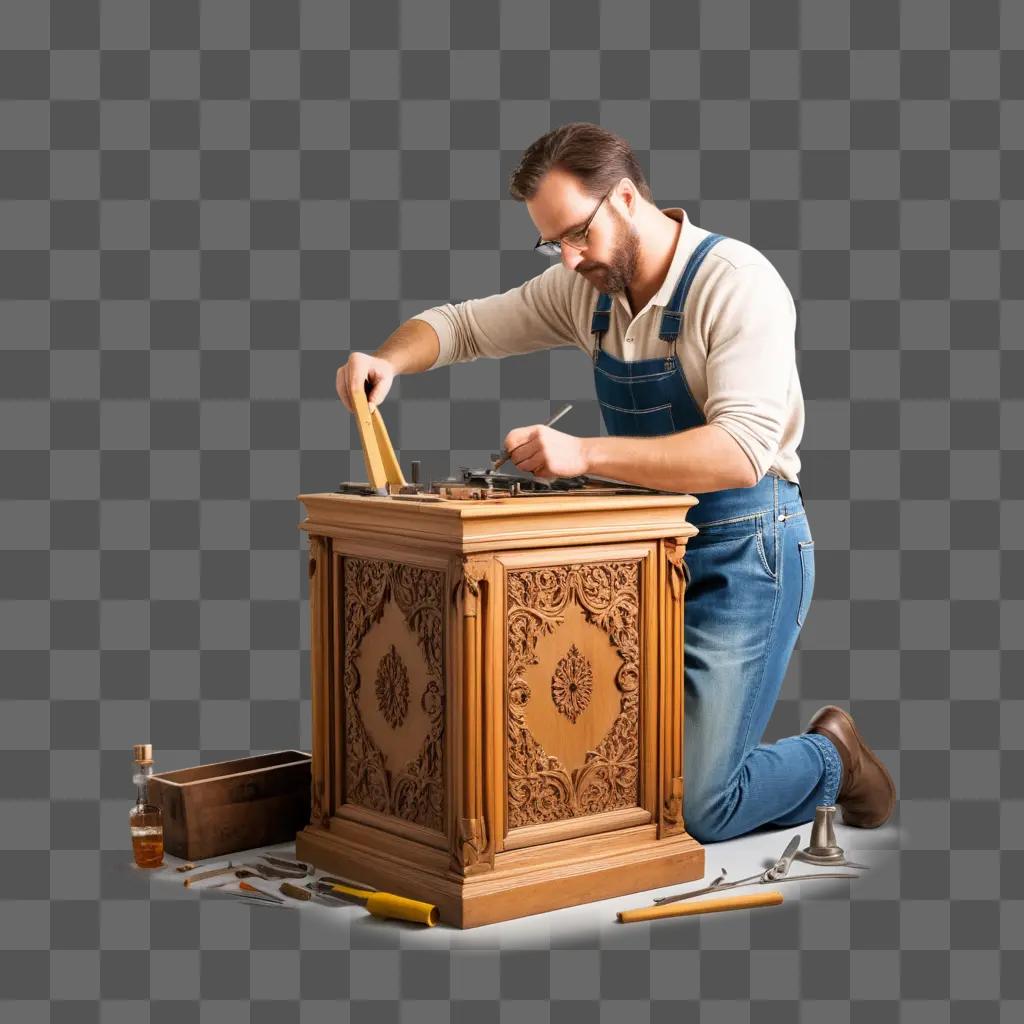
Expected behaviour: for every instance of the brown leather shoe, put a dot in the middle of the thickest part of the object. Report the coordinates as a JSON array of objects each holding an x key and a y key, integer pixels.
[{"x": 866, "y": 792}]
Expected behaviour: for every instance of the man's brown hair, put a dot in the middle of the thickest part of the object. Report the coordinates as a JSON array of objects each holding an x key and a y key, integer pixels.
[{"x": 597, "y": 157}]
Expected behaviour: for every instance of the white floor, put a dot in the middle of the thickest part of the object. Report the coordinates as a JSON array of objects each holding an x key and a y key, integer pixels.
[{"x": 594, "y": 922}]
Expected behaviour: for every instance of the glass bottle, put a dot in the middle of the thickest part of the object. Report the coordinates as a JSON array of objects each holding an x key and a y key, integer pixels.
[{"x": 145, "y": 819}]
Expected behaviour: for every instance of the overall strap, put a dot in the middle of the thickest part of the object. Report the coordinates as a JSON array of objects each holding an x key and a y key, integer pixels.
[
  {"x": 600, "y": 321},
  {"x": 672, "y": 317}
]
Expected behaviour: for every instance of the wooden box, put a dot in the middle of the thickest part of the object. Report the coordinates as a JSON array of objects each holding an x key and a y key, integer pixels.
[
  {"x": 219, "y": 808},
  {"x": 497, "y": 698}
]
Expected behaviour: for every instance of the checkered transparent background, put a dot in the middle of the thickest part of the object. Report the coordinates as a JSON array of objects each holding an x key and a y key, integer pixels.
[{"x": 204, "y": 206}]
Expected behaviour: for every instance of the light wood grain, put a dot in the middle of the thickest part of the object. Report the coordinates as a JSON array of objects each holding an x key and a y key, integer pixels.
[
  {"x": 713, "y": 906},
  {"x": 548, "y": 631}
]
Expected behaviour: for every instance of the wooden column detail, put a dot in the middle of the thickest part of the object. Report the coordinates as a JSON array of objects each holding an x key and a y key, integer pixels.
[
  {"x": 671, "y": 766},
  {"x": 472, "y": 846},
  {"x": 319, "y": 668}
]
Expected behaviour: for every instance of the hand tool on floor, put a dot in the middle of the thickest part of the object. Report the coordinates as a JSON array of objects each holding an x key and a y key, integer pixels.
[
  {"x": 255, "y": 871},
  {"x": 340, "y": 880},
  {"x": 319, "y": 889},
  {"x": 277, "y": 869},
  {"x": 253, "y": 900},
  {"x": 284, "y": 864},
  {"x": 224, "y": 869},
  {"x": 250, "y": 895},
  {"x": 306, "y": 895},
  {"x": 382, "y": 466},
  {"x": 380, "y": 904},
  {"x": 505, "y": 456},
  {"x": 252, "y": 890},
  {"x": 778, "y": 872},
  {"x": 747, "y": 902},
  {"x": 297, "y": 892}
]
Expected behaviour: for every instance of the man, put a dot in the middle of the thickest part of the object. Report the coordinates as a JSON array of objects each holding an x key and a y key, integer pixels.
[{"x": 692, "y": 341}]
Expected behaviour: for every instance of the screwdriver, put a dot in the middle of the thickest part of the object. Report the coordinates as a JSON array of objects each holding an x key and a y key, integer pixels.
[
  {"x": 495, "y": 466},
  {"x": 380, "y": 904}
]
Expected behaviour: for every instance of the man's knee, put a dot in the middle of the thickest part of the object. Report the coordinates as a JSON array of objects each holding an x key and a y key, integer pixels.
[
  {"x": 706, "y": 830},
  {"x": 706, "y": 817}
]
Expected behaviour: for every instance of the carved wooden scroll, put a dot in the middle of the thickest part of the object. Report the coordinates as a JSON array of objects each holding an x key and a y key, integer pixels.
[
  {"x": 540, "y": 787},
  {"x": 416, "y": 790},
  {"x": 472, "y": 851},
  {"x": 679, "y": 574}
]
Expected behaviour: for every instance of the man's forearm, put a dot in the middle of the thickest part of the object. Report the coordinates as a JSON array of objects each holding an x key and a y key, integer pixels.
[
  {"x": 702, "y": 459},
  {"x": 413, "y": 348}
]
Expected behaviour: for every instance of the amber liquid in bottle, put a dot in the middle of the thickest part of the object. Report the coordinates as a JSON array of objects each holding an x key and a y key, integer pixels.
[{"x": 145, "y": 819}]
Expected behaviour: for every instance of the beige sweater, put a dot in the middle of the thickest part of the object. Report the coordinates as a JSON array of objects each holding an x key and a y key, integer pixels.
[{"x": 736, "y": 346}]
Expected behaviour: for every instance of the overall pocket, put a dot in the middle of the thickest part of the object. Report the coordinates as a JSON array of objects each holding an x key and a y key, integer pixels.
[
  {"x": 638, "y": 422},
  {"x": 806, "y": 579}
]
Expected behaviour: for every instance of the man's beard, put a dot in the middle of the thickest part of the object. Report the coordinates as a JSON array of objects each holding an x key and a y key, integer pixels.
[{"x": 618, "y": 272}]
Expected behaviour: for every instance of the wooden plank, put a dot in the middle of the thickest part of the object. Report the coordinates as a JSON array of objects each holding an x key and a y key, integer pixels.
[
  {"x": 392, "y": 470},
  {"x": 375, "y": 472}
]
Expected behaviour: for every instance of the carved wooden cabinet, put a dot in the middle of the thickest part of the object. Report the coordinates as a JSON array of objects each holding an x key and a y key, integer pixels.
[{"x": 497, "y": 691}]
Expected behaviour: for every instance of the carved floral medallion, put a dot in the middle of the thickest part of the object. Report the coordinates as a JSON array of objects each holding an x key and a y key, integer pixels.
[
  {"x": 392, "y": 688},
  {"x": 572, "y": 684}
]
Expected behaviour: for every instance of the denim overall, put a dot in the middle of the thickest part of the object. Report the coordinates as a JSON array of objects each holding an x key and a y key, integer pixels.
[{"x": 751, "y": 574}]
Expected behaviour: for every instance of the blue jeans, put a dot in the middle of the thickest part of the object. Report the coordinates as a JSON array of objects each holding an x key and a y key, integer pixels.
[{"x": 751, "y": 579}]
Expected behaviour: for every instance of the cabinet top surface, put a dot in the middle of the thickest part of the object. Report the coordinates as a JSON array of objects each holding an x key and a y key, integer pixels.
[{"x": 331, "y": 504}]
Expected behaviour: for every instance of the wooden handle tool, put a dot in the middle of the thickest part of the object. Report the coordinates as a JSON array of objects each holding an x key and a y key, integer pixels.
[
  {"x": 385, "y": 904},
  {"x": 382, "y": 466},
  {"x": 296, "y": 891},
  {"x": 758, "y": 899},
  {"x": 229, "y": 868}
]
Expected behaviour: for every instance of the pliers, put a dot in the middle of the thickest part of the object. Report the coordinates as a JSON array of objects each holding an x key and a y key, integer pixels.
[{"x": 778, "y": 872}]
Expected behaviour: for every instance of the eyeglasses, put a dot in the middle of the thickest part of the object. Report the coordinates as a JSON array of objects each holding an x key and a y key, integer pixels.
[{"x": 575, "y": 239}]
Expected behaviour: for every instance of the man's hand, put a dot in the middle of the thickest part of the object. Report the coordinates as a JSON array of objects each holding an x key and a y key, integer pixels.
[
  {"x": 360, "y": 368},
  {"x": 547, "y": 453}
]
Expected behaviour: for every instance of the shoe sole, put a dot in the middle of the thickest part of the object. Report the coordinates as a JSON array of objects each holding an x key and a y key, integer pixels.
[{"x": 865, "y": 749}]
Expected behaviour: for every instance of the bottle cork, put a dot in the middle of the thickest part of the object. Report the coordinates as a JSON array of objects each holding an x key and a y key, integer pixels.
[{"x": 142, "y": 753}]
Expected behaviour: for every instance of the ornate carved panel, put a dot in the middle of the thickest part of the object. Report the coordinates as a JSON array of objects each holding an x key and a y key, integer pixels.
[
  {"x": 394, "y": 726},
  {"x": 572, "y": 751}
]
